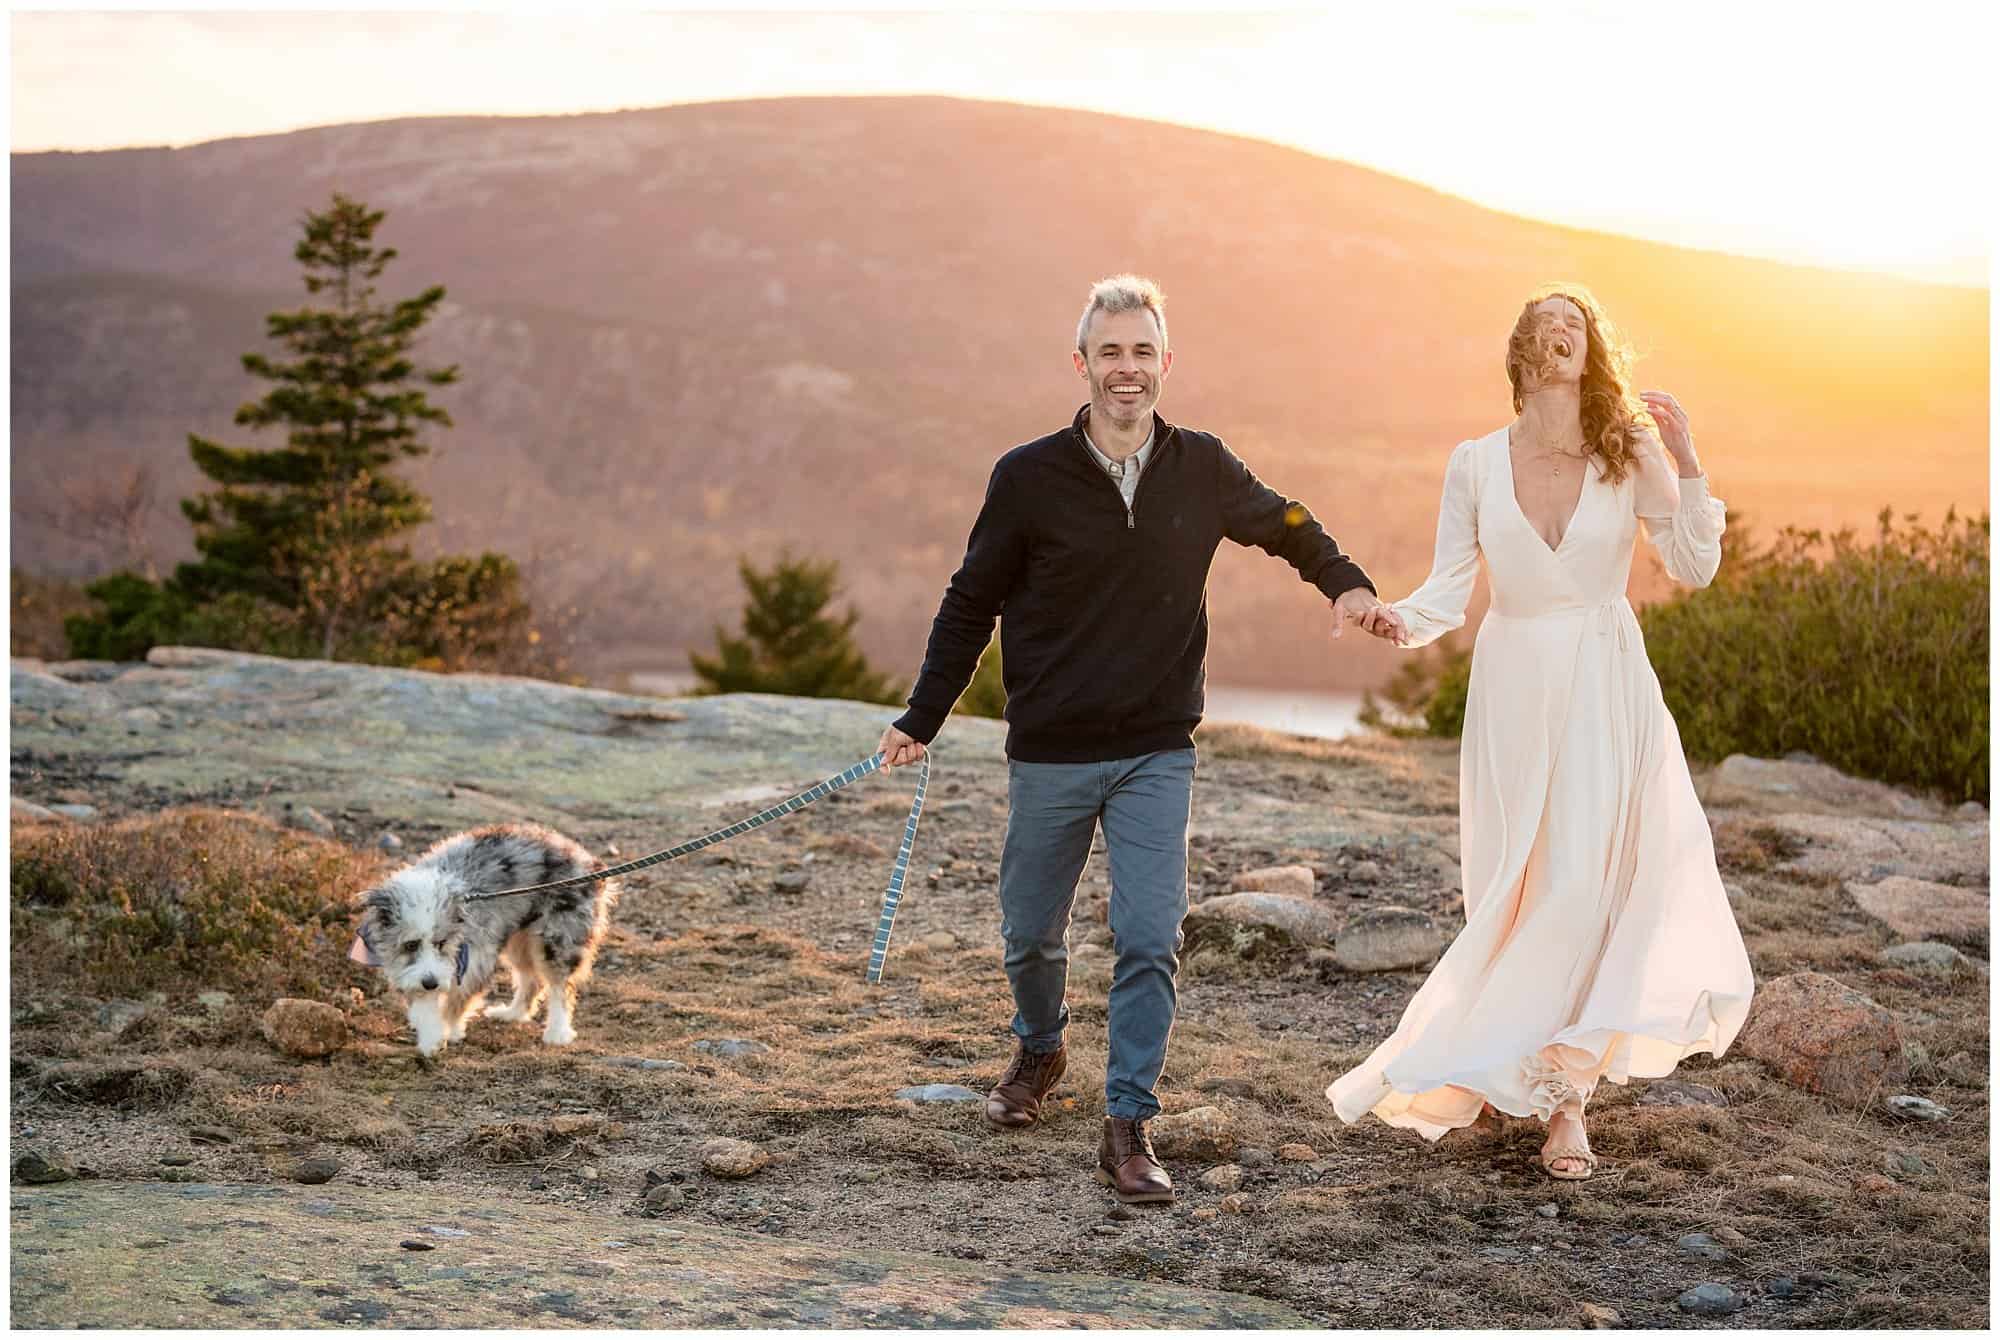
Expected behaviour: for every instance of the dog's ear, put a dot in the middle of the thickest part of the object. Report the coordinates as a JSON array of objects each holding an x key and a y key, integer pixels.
[{"x": 376, "y": 906}]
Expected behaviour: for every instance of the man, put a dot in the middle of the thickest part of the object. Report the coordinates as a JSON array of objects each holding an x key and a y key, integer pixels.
[{"x": 1093, "y": 549}]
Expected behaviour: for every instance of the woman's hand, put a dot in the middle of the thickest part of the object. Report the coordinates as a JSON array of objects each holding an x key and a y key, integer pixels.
[{"x": 1674, "y": 432}]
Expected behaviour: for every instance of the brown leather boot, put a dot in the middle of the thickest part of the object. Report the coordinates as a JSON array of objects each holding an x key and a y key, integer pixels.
[
  {"x": 1016, "y": 1101},
  {"x": 1126, "y": 1164}
]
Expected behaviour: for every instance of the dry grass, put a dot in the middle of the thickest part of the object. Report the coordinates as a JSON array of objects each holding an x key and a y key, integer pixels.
[{"x": 1884, "y": 1223}]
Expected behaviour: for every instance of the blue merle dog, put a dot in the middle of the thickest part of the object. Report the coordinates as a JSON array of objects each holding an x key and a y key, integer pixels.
[{"x": 441, "y": 951}]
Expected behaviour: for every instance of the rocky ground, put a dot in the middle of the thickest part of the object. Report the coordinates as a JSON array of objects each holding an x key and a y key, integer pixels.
[{"x": 735, "y": 1072}]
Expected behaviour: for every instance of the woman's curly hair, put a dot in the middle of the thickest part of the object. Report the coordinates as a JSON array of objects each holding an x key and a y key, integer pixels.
[{"x": 1613, "y": 418}]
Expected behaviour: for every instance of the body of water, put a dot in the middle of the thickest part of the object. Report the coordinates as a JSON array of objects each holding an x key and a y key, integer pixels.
[{"x": 1324, "y": 714}]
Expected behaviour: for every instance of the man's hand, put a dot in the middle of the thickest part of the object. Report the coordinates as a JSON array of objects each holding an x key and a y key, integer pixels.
[
  {"x": 1363, "y": 607},
  {"x": 898, "y": 749}
]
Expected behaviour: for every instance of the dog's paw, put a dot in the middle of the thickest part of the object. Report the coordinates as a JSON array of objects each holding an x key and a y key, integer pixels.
[
  {"x": 457, "y": 1033},
  {"x": 559, "y": 1037},
  {"x": 507, "y": 1014}
]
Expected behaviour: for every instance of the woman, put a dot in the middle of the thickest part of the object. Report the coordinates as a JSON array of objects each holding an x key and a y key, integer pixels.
[{"x": 1598, "y": 941}]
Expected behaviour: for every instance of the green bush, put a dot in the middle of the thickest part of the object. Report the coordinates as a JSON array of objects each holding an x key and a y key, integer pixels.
[
  {"x": 1871, "y": 657},
  {"x": 791, "y": 644},
  {"x": 986, "y": 695}
]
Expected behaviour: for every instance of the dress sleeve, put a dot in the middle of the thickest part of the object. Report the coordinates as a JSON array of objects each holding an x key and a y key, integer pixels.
[
  {"x": 1438, "y": 606},
  {"x": 1689, "y": 539}
]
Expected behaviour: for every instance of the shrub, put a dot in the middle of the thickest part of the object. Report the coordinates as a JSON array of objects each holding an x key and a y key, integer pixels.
[
  {"x": 1871, "y": 657},
  {"x": 187, "y": 901}
]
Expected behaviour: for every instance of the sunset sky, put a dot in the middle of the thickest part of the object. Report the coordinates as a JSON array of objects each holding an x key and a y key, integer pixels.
[{"x": 1823, "y": 134}]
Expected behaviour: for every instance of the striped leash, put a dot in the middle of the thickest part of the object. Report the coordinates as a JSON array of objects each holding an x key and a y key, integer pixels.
[{"x": 897, "y": 875}]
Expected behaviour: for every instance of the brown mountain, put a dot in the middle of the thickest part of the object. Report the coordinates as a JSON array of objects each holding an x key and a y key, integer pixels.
[{"x": 697, "y": 332}]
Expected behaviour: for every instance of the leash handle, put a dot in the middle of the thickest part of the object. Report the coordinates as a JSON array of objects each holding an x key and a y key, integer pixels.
[{"x": 893, "y": 896}]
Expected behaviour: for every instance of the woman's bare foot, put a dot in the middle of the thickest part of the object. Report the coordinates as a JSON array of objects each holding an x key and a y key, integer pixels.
[{"x": 1566, "y": 1154}]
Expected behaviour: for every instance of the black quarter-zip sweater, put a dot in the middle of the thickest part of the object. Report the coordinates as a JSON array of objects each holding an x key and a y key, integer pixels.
[{"x": 1104, "y": 615}]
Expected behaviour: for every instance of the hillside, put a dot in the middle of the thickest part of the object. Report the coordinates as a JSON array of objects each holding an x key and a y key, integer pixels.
[{"x": 694, "y": 332}]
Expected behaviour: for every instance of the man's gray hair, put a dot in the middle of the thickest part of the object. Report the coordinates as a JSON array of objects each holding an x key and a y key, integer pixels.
[{"x": 1123, "y": 293}]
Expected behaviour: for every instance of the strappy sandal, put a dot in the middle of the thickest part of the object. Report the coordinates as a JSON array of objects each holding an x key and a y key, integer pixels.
[{"x": 1551, "y": 1157}]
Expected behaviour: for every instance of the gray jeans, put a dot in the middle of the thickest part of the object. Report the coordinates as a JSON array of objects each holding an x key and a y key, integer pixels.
[{"x": 1053, "y": 810}]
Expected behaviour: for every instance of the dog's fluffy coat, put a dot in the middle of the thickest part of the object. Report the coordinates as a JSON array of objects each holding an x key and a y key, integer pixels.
[{"x": 417, "y": 923}]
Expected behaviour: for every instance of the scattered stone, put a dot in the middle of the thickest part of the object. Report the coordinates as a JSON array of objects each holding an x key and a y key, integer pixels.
[
  {"x": 588, "y": 1174},
  {"x": 1680, "y": 1093},
  {"x": 642, "y": 1062},
  {"x": 215, "y": 1002},
  {"x": 1971, "y": 809},
  {"x": 1296, "y": 1153},
  {"x": 1548, "y": 1209},
  {"x": 1784, "y": 1288},
  {"x": 724, "y": 1157},
  {"x": 315, "y": 1171},
  {"x": 730, "y": 1047},
  {"x": 1107, "y": 1230},
  {"x": 1711, "y": 1300},
  {"x": 1233, "y": 1088},
  {"x": 1874, "y": 1184},
  {"x": 1386, "y": 939},
  {"x": 1365, "y": 871},
  {"x": 1598, "y": 1318},
  {"x": 1821, "y": 1035},
  {"x": 1904, "y": 1166},
  {"x": 75, "y": 811},
  {"x": 1200, "y": 1133},
  {"x": 211, "y": 1135},
  {"x": 417, "y": 1245},
  {"x": 305, "y": 1028},
  {"x": 940, "y": 1093},
  {"x": 1920, "y": 909},
  {"x": 1293, "y": 880},
  {"x": 1227, "y": 1177},
  {"x": 389, "y": 842},
  {"x": 1121, "y": 1213},
  {"x": 665, "y": 1196},
  {"x": 1799, "y": 777},
  {"x": 1931, "y": 955},
  {"x": 939, "y": 942},
  {"x": 26, "y": 811},
  {"x": 1253, "y": 1157},
  {"x": 1300, "y": 918},
  {"x": 39, "y": 1170},
  {"x": 1239, "y": 1203},
  {"x": 1202, "y": 1216},
  {"x": 1702, "y": 1246},
  {"x": 176, "y": 1160},
  {"x": 115, "y": 1016},
  {"x": 443, "y": 1231},
  {"x": 1729, "y": 1237},
  {"x": 792, "y": 881},
  {"x": 1912, "y": 1108}
]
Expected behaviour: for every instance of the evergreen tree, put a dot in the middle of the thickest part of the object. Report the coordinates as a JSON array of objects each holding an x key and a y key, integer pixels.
[
  {"x": 307, "y": 526},
  {"x": 986, "y": 695},
  {"x": 789, "y": 645}
]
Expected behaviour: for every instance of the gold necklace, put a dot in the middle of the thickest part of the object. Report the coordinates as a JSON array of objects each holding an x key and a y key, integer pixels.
[{"x": 1557, "y": 454}]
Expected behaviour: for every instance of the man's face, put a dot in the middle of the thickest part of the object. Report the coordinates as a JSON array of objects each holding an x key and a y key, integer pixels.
[{"x": 1124, "y": 364}]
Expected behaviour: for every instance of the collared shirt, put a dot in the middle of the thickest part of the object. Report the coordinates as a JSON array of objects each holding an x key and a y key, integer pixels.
[{"x": 1125, "y": 472}]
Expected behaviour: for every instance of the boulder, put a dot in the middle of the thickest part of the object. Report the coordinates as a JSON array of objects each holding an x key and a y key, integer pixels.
[
  {"x": 1821, "y": 1035},
  {"x": 1804, "y": 784},
  {"x": 725, "y": 1157},
  {"x": 1294, "y": 880},
  {"x": 1303, "y": 919},
  {"x": 305, "y": 1028},
  {"x": 1199, "y": 1133},
  {"x": 1920, "y": 909},
  {"x": 1928, "y": 956},
  {"x": 1386, "y": 939}
]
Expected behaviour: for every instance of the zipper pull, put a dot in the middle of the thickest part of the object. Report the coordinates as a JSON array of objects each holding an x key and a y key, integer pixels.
[{"x": 1129, "y": 523}]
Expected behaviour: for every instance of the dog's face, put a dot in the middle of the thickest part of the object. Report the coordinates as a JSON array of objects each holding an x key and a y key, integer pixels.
[{"x": 412, "y": 924}]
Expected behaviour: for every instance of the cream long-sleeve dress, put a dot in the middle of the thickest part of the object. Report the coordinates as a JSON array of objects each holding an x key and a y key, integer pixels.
[{"x": 1598, "y": 943}]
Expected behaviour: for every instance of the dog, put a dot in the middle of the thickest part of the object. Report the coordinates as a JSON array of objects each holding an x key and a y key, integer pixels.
[{"x": 441, "y": 951}]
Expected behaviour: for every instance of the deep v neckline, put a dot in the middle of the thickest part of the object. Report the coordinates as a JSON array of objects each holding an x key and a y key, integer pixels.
[{"x": 1514, "y": 494}]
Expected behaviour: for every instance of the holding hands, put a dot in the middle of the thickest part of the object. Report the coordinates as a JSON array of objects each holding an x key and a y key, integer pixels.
[{"x": 1362, "y": 606}]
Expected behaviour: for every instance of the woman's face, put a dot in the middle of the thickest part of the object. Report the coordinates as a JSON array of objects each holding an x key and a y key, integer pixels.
[{"x": 1565, "y": 340}]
